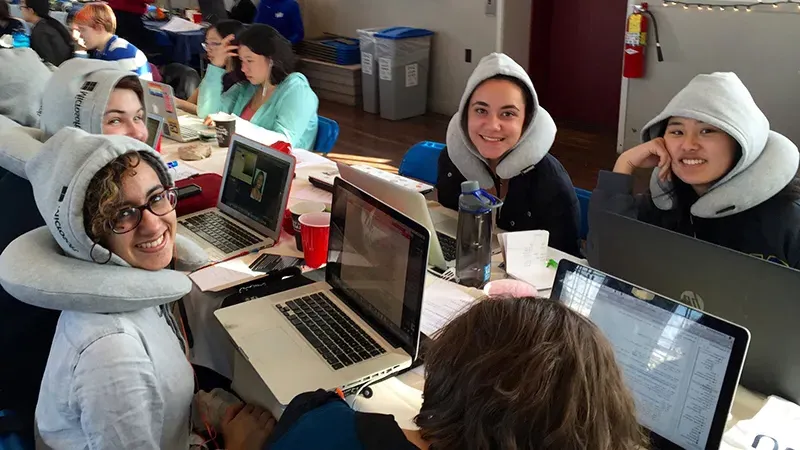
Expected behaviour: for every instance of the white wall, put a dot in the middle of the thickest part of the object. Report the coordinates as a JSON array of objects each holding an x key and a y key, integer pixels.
[
  {"x": 761, "y": 47},
  {"x": 459, "y": 24}
]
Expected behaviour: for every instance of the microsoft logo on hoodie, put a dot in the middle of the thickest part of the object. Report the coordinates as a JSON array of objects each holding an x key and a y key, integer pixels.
[{"x": 87, "y": 87}]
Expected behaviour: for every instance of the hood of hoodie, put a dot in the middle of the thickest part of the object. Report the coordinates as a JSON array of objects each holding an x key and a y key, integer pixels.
[
  {"x": 24, "y": 77},
  {"x": 66, "y": 276},
  {"x": 77, "y": 95},
  {"x": 533, "y": 145},
  {"x": 769, "y": 161}
]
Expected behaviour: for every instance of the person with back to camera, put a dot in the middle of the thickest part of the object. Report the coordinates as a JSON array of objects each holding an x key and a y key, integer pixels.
[
  {"x": 719, "y": 174},
  {"x": 115, "y": 105},
  {"x": 232, "y": 66},
  {"x": 501, "y": 137},
  {"x": 118, "y": 374},
  {"x": 274, "y": 96},
  {"x": 9, "y": 24},
  {"x": 509, "y": 373},
  {"x": 49, "y": 38}
]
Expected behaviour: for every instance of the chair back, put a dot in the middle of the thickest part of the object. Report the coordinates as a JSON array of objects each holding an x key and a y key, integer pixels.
[
  {"x": 422, "y": 161},
  {"x": 327, "y": 134}
]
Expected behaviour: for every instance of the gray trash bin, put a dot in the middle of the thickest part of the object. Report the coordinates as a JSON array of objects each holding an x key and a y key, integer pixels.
[
  {"x": 403, "y": 55},
  {"x": 369, "y": 69}
]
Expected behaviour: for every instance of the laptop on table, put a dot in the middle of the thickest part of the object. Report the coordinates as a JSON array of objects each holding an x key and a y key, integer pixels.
[
  {"x": 682, "y": 365},
  {"x": 161, "y": 99},
  {"x": 443, "y": 228},
  {"x": 249, "y": 212},
  {"x": 760, "y": 295},
  {"x": 155, "y": 125},
  {"x": 358, "y": 326}
]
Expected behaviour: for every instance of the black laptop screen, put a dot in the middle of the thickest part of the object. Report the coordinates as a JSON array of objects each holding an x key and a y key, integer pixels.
[
  {"x": 254, "y": 184},
  {"x": 680, "y": 364},
  {"x": 377, "y": 259}
]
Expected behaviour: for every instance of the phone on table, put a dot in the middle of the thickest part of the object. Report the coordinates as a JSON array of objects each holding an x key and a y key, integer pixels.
[{"x": 190, "y": 190}]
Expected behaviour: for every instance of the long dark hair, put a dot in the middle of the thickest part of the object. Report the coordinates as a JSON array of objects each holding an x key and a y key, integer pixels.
[
  {"x": 42, "y": 9},
  {"x": 525, "y": 373},
  {"x": 266, "y": 41},
  {"x": 5, "y": 14},
  {"x": 226, "y": 28}
]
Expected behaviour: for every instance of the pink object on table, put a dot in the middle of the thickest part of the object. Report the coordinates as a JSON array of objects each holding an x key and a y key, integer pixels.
[{"x": 510, "y": 288}]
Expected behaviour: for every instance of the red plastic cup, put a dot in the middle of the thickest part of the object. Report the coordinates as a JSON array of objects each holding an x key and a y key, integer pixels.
[{"x": 315, "y": 230}]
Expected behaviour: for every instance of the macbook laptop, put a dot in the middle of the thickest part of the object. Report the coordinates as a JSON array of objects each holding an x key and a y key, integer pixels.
[
  {"x": 252, "y": 198},
  {"x": 358, "y": 326},
  {"x": 161, "y": 99},
  {"x": 760, "y": 295},
  {"x": 682, "y": 365},
  {"x": 443, "y": 227},
  {"x": 155, "y": 124}
]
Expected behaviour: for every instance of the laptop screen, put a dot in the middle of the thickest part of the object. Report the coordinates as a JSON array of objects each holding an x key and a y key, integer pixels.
[
  {"x": 254, "y": 184},
  {"x": 153, "y": 130},
  {"x": 377, "y": 259},
  {"x": 680, "y": 364}
]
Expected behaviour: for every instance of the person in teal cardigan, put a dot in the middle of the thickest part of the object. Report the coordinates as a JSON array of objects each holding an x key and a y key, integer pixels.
[{"x": 274, "y": 97}]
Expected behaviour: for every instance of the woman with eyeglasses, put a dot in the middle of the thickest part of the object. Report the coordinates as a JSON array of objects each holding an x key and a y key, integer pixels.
[
  {"x": 101, "y": 99},
  {"x": 49, "y": 38},
  {"x": 232, "y": 65},
  {"x": 118, "y": 375}
]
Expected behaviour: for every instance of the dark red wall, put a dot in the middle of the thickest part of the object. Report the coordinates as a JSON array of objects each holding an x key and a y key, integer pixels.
[{"x": 576, "y": 59}]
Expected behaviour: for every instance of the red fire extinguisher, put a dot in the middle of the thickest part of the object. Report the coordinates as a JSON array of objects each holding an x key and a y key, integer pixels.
[{"x": 636, "y": 41}]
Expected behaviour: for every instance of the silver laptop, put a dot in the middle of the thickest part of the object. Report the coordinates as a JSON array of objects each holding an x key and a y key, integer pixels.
[
  {"x": 155, "y": 124},
  {"x": 443, "y": 227},
  {"x": 761, "y": 295},
  {"x": 161, "y": 99},
  {"x": 682, "y": 365},
  {"x": 252, "y": 199},
  {"x": 359, "y": 326}
]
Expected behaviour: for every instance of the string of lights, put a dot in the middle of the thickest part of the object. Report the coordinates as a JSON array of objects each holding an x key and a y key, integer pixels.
[{"x": 747, "y": 7}]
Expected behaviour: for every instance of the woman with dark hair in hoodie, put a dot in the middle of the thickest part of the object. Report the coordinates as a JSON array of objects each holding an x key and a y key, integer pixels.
[
  {"x": 8, "y": 24},
  {"x": 273, "y": 96},
  {"x": 49, "y": 38},
  {"x": 501, "y": 137},
  {"x": 719, "y": 174}
]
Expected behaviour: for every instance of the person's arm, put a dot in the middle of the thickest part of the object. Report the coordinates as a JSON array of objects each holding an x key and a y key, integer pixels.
[
  {"x": 115, "y": 391},
  {"x": 561, "y": 218},
  {"x": 189, "y": 105},
  {"x": 45, "y": 44},
  {"x": 297, "y": 106},
  {"x": 210, "y": 98}
]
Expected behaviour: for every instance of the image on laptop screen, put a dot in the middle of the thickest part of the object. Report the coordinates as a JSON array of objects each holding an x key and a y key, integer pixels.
[
  {"x": 152, "y": 131},
  {"x": 254, "y": 184},
  {"x": 379, "y": 263},
  {"x": 674, "y": 365}
]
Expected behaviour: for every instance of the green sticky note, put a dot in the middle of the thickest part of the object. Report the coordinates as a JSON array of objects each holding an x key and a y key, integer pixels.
[{"x": 552, "y": 263}]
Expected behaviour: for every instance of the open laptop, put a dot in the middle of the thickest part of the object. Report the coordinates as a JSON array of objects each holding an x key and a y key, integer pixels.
[
  {"x": 760, "y": 295},
  {"x": 155, "y": 124},
  {"x": 358, "y": 326},
  {"x": 161, "y": 99},
  {"x": 412, "y": 203},
  {"x": 682, "y": 365},
  {"x": 252, "y": 199}
]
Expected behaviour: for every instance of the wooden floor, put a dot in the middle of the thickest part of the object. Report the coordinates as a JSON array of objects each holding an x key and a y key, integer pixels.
[{"x": 366, "y": 138}]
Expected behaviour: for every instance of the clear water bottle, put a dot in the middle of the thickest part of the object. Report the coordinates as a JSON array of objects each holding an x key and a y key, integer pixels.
[{"x": 474, "y": 235}]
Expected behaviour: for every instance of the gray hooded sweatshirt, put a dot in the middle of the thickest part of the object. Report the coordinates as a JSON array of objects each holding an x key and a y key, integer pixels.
[
  {"x": 540, "y": 193},
  {"x": 117, "y": 376},
  {"x": 22, "y": 79},
  {"x": 752, "y": 209}
]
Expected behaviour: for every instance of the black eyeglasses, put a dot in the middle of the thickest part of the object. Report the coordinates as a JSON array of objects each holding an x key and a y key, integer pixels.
[{"x": 159, "y": 204}]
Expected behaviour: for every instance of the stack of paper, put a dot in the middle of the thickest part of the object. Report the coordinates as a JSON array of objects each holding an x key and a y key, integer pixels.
[
  {"x": 526, "y": 257},
  {"x": 442, "y": 302}
]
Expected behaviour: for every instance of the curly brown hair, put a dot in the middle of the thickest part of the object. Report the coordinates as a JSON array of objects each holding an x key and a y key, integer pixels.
[
  {"x": 525, "y": 373},
  {"x": 104, "y": 194}
]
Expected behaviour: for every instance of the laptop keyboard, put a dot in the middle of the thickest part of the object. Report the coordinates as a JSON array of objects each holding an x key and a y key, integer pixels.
[
  {"x": 222, "y": 234},
  {"x": 188, "y": 134},
  {"x": 448, "y": 244},
  {"x": 331, "y": 332}
]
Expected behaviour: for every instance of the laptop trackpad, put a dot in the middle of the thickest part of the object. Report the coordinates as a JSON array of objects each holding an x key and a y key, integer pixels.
[{"x": 272, "y": 345}]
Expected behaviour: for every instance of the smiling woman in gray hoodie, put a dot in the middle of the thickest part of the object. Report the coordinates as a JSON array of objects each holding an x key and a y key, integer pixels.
[{"x": 719, "y": 174}]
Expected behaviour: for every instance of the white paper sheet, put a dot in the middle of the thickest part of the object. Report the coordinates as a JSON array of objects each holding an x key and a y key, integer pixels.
[
  {"x": 443, "y": 301},
  {"x": 526, "y": 257},
  {"x": 311, "y": 194},
  {"x": 178, "y": 25},
  {"x": 183, "y": 171},
  {"x": 777, "y": 422}
]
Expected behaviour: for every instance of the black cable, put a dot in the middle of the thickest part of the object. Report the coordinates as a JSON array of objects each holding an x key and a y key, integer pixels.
[{"x": 655, "y": 29}]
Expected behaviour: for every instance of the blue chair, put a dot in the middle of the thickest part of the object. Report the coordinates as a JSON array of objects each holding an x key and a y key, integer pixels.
[
  {"x": 327, "y": 134},
  {"x": 583, "y": 200},
  {"x": 9, "y": 439},
  {"x": 422, "y": 161}
]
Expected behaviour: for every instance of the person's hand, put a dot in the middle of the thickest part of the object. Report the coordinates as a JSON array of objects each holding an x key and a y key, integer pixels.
[
  {"x": 246, "y": 427},
  {"x": 649, "y": 155},
  {"x": 219, "y": 55},
  {"x": 208, "y": 121}
]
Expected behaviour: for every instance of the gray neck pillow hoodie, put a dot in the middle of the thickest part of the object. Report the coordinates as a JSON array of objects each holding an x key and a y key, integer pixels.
[
  {"x": 533, "y": 145},
  {"x": 75, "y": 96},
  {"x": 22, "y": 80},
  {"x": 769, "y": 160},
  {"x": 117, "y": 375}
]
